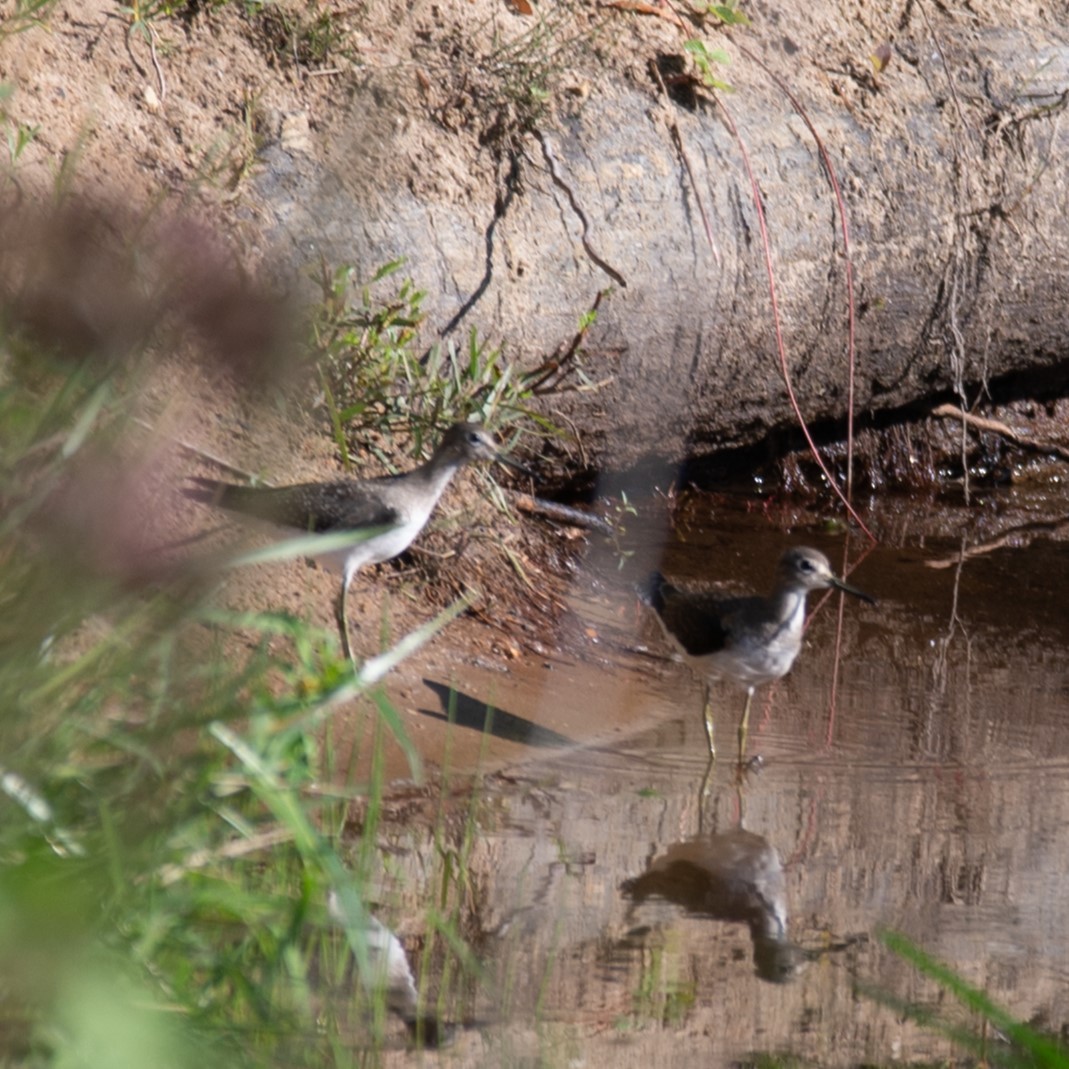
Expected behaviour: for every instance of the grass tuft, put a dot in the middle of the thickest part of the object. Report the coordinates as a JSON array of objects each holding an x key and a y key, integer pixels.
[{"x": 374, "y": 377}]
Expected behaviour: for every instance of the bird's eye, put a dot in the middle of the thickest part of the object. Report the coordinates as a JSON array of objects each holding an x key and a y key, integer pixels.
[
  {"x": 805, "y": 564},
  {"x": 474, "y": 438}
]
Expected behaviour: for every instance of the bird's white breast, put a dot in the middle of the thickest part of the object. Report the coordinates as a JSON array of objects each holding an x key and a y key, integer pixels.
[{"x": 763, "y": 654}]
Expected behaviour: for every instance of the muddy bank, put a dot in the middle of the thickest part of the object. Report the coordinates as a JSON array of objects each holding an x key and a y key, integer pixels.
[
  {"x": 523, "y": 164},
  {"x": 515, "y": 219}
]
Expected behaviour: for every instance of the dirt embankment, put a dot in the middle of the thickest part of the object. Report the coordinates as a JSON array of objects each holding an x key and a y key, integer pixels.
[{"x": 523, "y": 163}]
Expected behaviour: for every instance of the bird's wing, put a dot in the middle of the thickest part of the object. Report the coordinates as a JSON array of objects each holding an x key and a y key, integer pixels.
[
  {"x": 313, "y": 507},
  {"x": 691, "y": 618},
  {"x": 758, "y": 614}
]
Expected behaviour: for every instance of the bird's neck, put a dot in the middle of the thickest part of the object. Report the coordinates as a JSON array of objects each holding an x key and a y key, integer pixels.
[
  {"x": 788, "y": 608},
  {"x": 436, "y": 474}
]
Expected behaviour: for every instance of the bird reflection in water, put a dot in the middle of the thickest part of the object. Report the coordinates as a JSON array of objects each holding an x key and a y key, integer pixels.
[
  {"x": 387, "y": 968},
  {"x": 731, "y": 876}
]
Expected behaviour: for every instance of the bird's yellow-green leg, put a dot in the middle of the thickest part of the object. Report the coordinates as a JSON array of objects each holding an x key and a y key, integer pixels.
[
  {"x": 703, "y": 793},
  {"x": 707, "y": 713},
  {"x": 744, "y": 727},
  {"x": 343, "y": 623}
]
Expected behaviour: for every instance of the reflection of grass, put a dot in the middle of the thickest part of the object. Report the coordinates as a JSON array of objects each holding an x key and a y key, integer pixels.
[
  {"x": 663, "y": 996},
  {"x": 776, "y": 1061},
  {"x": 1002, "y": 1040}
]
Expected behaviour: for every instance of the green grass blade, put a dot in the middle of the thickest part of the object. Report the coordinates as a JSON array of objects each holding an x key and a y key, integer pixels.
[
  {"x": 310, "y": 545},
  {"x": 375, "y": 668},
  {"x": 1043, "y": 1051}
]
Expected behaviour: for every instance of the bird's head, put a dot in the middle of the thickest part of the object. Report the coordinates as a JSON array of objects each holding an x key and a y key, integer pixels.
[
  {"x": 811, "y": 570},
  {"x": 467, "y": 442}
]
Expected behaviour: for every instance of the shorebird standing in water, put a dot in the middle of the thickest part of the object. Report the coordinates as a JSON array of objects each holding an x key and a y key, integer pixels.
[
  {"x": 395, "y": 507},
  {"x": 748, "y": 640}
]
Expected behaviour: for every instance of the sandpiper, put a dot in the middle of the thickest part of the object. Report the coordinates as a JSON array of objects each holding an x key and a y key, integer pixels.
[
  {"x": 749, "y": 640},
  {"x": 398, "y": 504}
]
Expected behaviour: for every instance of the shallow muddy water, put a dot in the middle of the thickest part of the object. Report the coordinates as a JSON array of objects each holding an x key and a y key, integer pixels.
[{"x": 919, "y": 782}]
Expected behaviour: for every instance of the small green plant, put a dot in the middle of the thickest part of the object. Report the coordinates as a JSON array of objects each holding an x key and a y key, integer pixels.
[
  {"x": 18, "y": 137},
  {"x": 144, "y": 11},
  {"x": 142, "y": 14},
  {"x": 729, "y": 13},
  {"x": 373, "y": 377},
  {"x": 508, "y": 89},
  {"x": 17, "y": 134},
  {"x": 228, "y": 161},
  {"x": 705, "y": 59},
  {"x": 311, "y": 39},
  {"x": 28, "y": 15}
]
